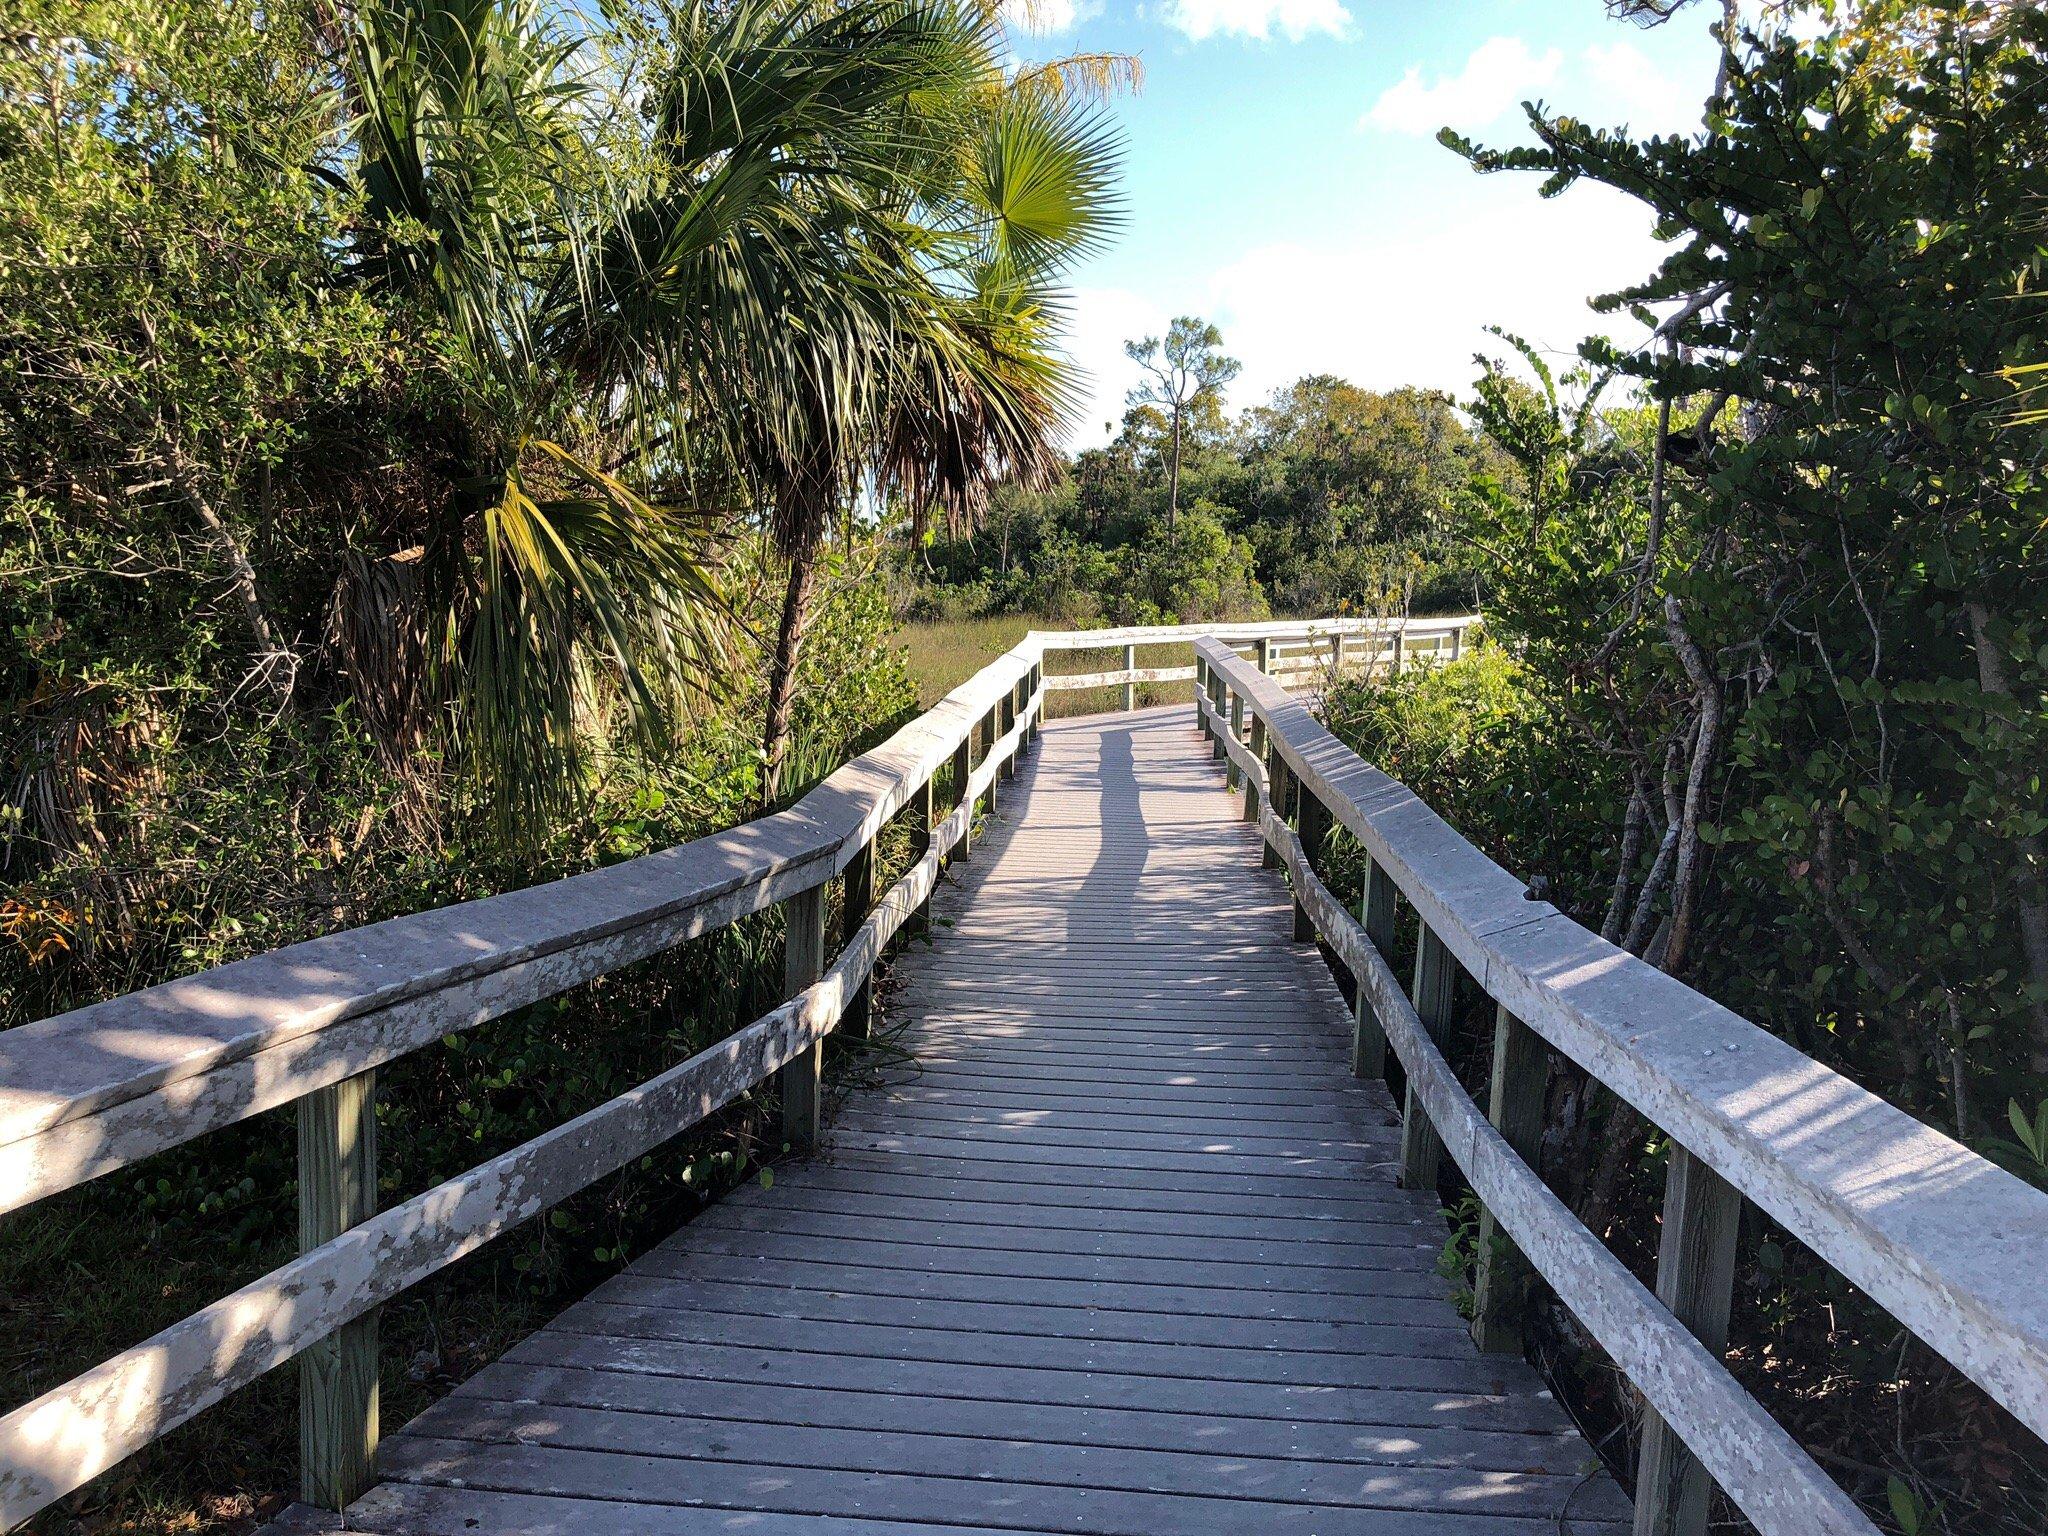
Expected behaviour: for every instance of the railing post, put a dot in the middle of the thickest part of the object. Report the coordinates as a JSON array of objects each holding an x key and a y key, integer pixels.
[
  {"x": 1130, "y": 689},
  {"x": 988, "y": 745},
  {"x": 963, "y": 764},
  {"x": 1400, "y": 644},
  {"x": 1280, "y": 784},
  {"x": 1696, "y": 1280},
  {"x": 1521, "y": 1071},
  {"x": 1236, "y": 734},
  {"x": 338, "y": 1376},
  {"x": 1006, "y": 719},
  {"x": 1376, "y": 900},
  {"x": 1216, "y": 686},
  {"x": 1036, "y": 680},
  {"x": 1201, "y": 688},
  {"x": 1266, "y": 655},
  {"x": 921, "y": 808},
  {"x": 1436, "y": 978},
  {"x": 803, "y": 962},
  {"x": 1251, "y": 783},
  {"x": 856, "y": 901},
  {"x": 1312, "y": 825}
]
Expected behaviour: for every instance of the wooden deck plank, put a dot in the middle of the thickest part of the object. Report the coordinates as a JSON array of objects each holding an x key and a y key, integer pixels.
[{"x": 1117, "y": 1250}]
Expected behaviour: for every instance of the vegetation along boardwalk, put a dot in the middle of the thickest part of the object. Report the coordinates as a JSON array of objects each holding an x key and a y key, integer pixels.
[
  {"x": 1135, "y": 1240},
  {"x": 1120, "y": 1252}
]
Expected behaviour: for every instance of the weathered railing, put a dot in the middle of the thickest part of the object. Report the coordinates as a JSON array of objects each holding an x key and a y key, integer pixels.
[
  {"x": 96, "y": 1090},
  {"x": 93, "y": 1091},
  {"x": 1295, "y": 650},
  {"x": 1953, "y": 1246}
]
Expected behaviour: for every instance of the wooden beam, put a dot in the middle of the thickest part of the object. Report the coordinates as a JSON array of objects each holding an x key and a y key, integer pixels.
[
  {"x": 963, "y": 765},
  {"x": 1130, "y": 689},
  {"x": 1233, "y": 777},
  {"x": 1696, "y": 1280},
  {"x": 803, "y": 962},
  {"x": 1436, "y": 979},
  {"x": 338, "y": 1374},
  {"x": 1312, "y": 823},
  {"x": 857, "y": 900},
  {"x": 1378, "y": 897},
  {"x": 919, "y": 814},
  {"x": 1521, "y": 1073}
]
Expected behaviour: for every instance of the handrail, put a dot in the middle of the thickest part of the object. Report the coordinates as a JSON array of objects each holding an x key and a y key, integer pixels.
[
  {"x": 87, "y": 1092},
  {"x": 92, "y": 1090},
  {"x": 1952, "y": 1245},
  {"x": 1396, "y": 639}
]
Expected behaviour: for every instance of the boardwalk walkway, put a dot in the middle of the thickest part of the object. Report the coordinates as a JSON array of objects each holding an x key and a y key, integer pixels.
[{"x": 1121, "y": 1254}]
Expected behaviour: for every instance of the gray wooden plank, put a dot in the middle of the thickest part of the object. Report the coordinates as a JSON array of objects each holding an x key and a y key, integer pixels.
[
  {"x": 964, "y": 1500},
  {"x": 1556, "y": 1450},
  {"x": 1116, "y": 1251},
  {"x": 925, "y": 1453}
]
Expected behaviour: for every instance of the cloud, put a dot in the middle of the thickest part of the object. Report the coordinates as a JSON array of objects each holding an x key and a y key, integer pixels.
[
  {"x": 1406, "y": 304},
  {"x": 1099, "y": 322},
  {"x": 1040, "y": 18},
  {"x": 1501, "y": 72},
  {"x": 1201, "y": 19},
  {"x": 1634, "y": 92}
]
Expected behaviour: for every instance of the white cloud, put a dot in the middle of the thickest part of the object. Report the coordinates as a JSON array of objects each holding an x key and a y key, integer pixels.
[
  {"x": 1501, "y": 72},
  {"x": 1099, "y": 322},
  {"x": 1634, "y": 92},
  {"x": 1201, "y": 19},
  {"x": 1406, "y": 305},
  {"x": 1040, "y": 18}
]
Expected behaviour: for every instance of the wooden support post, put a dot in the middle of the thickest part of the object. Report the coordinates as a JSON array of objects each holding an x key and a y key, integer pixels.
[
  {"x": 1312, "y": 825},
  {"x": 1521, "y": 1072},
  {"x": 1436, "y": 978},
  {"x": 1251, "y": 784},
  {"x": 1376, "y": 901},
  {"x": 1400, "y": 646},
  {"x": 1266, "y": 657},
  {"x": 338, "y": 1375},
  {"x": 1337, "y": 653},
  {"x": 1201, "y": 688},
  {"x": 803, "y": 962},
  {"x": 1006, "y": 720},
  {"x": 920, "y": 811},
  {"x": 963, "y": 761},
  {"x": 1216, "y": 686},
  {"x": 1281, "y": 785},
  {"x": 1034, "y": 683},
  {"x": 988, "y": 745},
  {"x": 857, "y": 900},
  {"x": 1696, "y": 1280},
  {"x": 1236, "y": 734},
  {"x": 1457, "y": 642},
  {"x": 1130, "y": 689}
]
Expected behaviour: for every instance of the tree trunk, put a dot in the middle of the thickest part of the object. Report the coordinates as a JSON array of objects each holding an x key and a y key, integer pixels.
[
  {"x": 1173, "y": 475},
  {"x": 2033, "y": 859},
  {"x": 274, "y": 659},
  {"x": 789, "y": 639}
]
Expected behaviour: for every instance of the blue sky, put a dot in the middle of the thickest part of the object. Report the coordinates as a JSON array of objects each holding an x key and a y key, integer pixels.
[{"x": 1283, "y": 180}]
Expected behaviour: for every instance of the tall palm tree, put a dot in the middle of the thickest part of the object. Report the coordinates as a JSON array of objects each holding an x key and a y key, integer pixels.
[{"x": 950, "y": 377}]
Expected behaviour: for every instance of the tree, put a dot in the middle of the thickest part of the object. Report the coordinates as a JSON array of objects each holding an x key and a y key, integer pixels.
[
  {"x": 1186, "y": 367},
  {"x": 1836, "y": 576},
  {"x": 927, "y": 363}
]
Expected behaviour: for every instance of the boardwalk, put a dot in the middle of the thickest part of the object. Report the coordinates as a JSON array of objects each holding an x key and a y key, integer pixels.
[{"x": 1121, "y": 1254}]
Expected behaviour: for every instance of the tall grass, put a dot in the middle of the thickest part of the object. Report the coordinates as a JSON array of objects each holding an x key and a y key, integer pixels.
[{"x": 945, "y": 653}]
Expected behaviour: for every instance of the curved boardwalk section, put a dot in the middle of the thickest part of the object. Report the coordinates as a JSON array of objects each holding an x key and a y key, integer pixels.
[{"x": 1118, "y": 1251}]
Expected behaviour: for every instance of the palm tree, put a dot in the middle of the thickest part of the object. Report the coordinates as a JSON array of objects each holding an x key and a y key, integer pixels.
[
  {"x": 809, "y": 250},
  {"x": 947, "y": 376}
]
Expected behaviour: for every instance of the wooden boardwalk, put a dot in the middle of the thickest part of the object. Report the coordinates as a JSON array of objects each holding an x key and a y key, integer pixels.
[{"x": 1121, "y": 1254}]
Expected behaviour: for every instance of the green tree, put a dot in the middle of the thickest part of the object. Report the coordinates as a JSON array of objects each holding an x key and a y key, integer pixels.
[{"x": 1184, "y": 369}]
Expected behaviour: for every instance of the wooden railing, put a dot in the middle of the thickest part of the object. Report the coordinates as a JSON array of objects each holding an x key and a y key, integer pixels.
[
  {"x": 1953, "y": 1246},
  {"x": 1296, "y": 650},
  {"x": 96, "y": 1090}
]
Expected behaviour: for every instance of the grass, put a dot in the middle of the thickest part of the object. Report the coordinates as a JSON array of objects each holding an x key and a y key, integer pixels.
[{"x": 944, "y": 654}]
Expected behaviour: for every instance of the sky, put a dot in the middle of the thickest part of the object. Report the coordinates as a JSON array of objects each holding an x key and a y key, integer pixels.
[{"x": 1282, "y": 179}]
